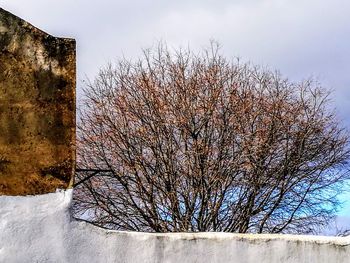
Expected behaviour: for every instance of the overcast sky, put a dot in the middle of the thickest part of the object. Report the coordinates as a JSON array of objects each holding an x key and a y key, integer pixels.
[{"x": 300, "y": 38}]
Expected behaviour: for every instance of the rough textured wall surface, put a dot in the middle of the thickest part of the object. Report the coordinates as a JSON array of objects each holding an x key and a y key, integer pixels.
[
  {"x": 37, "y": 108},
  {"x": 39, "y": 229}
]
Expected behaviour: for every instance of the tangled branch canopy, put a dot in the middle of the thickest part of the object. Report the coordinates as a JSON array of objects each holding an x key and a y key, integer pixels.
[{"x": 200, "y": 143}]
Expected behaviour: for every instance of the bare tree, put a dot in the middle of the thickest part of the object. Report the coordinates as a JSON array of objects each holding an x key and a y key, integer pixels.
[
  {"x": 193, "y": 142},
  {"x": 343, "y": 232}
]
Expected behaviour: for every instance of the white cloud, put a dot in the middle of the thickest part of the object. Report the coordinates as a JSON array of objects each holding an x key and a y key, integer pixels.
[{"x": 300, "y": 38}]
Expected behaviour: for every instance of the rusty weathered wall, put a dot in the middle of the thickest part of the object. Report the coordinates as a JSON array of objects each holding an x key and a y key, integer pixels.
[{"x": 37, "y": 109}]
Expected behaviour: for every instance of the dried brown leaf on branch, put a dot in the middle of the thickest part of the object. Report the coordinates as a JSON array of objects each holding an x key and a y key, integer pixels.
[{"x": 194, "y": 142}]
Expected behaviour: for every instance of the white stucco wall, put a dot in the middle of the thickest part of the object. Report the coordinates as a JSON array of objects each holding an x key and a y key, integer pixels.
[{"x": 39, "y": 229}]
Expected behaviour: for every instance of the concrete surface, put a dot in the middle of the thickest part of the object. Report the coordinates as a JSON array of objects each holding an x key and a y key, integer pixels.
[
  {"x": 40, "y": 229},
  {"x": 37, "y": 109}
]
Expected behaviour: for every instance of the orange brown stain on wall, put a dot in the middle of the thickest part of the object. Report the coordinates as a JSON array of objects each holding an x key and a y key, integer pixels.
[{"x": 37, "y": 109}]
